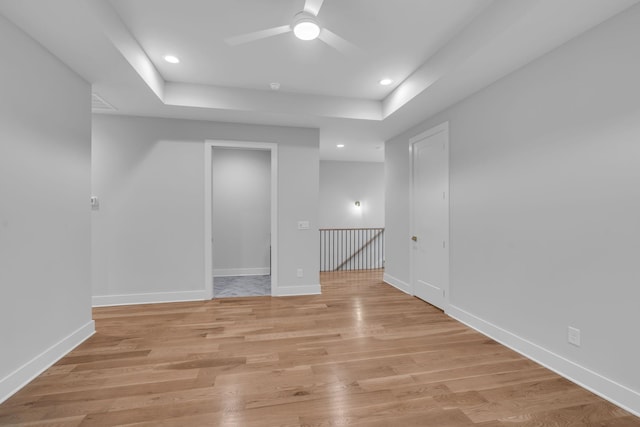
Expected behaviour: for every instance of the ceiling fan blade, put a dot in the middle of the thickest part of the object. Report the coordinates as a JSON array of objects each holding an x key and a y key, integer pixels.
[
  {"x": 338, "y": 43},
  {"x": 313, "y": 6},
  {"x": 257, "y": 35}
]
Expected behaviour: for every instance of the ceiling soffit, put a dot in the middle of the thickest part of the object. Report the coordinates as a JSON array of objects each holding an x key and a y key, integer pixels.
[{"x": 454, "y": 51}]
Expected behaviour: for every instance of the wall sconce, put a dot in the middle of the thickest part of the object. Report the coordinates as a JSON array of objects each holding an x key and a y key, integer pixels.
[{"x": 357, "y": 203}]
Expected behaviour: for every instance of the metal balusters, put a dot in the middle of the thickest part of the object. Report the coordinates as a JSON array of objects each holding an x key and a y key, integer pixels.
[{"x": 351, "y": 249}]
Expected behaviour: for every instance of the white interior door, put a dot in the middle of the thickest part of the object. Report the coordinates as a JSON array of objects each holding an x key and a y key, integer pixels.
[{"x": 430, "y": 216}]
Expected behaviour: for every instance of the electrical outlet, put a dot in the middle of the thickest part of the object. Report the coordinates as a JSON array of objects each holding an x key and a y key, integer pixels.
[
  {"x": 573, "y": 335},
  {"x": 300, "y": 272}
]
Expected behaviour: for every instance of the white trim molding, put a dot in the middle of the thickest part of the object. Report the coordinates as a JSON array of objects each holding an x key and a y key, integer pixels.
[
  {"x": 442, "y": 127},
  {"x": 13, "y": 382},
  {"x": 226, "y": 272},
  {"x": 290, "y": 291},
  {"x": 610, "y": 390},
  {"x": 397, "y": 283},
  {"x": 208, "y": 232},
  {"x": 150, "y": 298}
]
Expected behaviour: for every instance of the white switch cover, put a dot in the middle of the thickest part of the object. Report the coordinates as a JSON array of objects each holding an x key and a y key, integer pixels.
[
  {"x": 300, "y": 273},
  {"x": 573, "y": 336},
  {"x": 95, "y": 203},
  {"x": 303, "y": 225}
]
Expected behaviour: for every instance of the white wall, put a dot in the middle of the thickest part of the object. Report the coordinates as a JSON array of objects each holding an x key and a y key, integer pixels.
[
  {"x": 241, "y": 211},
  {"x": 341, "y": 184},
  {"x": 397, "y": 214},
  {"x": 148, "y": 236},
  {"x": 545, "y": 202},
  {"x": 45, "y": 305}
]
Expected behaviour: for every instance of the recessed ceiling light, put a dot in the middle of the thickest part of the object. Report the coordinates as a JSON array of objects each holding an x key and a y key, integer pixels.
[
  {"x": 386, "y": 82},
  {"x": 171, "y": 59},
  {"x": 340, "y": 145},
  {"x": 305, "y": 27},
  {"x": 275, "y": 86}
]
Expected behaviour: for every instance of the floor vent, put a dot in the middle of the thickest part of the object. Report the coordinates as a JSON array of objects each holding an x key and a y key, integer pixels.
[{"x": 99, "y": 104}]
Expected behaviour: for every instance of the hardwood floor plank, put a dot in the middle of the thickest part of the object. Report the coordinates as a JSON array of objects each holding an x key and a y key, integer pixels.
[
  {"x": 59, "y": 422},
  {"x": 599, "y": 413},
  {"x": 360, "y": 354},
  {"x": 513, "y": 406}
]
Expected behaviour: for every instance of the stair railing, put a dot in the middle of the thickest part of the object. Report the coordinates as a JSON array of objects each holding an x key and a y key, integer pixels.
[{"x": 345, "y": 249}]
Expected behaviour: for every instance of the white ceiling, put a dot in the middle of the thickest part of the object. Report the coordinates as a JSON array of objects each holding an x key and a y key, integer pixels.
[
  {"x": 436, "y": 51},
  {"x": 394, "y": 38}
]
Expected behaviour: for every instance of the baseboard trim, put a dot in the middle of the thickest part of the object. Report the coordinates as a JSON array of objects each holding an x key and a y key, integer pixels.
[
  {"x": 225, "y": 272},
  {"x": 19, "y": 378},
  {"x": 612, "y": 391},
  {"x": 397, "y": 283},
  {"x": 150, "y": 298},
  {"x": 290, "y": 291}
]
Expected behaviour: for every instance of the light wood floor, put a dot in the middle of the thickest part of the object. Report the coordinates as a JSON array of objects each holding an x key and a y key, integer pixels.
[{"x": 362, "y": 353}]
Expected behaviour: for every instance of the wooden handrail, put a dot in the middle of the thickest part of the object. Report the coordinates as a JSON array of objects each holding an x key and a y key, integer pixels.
[{"x": 362, "y": 247}]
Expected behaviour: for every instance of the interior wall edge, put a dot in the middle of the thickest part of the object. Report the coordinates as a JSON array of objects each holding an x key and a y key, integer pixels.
[
  {"x": 596, "y": 383},
  {"x": 19, "y": 378},
  {"x": 397, "y": 283},
  {"x": 230, "y": 272},
  {"x": 149, "y": 298},
  {"x": 290, "y": 291}
]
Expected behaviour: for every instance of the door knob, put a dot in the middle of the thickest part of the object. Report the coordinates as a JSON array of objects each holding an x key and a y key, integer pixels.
[{"x": 414, "y": 238}]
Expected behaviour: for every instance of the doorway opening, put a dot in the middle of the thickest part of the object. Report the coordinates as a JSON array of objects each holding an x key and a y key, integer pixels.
[{"x": 240, "y": 218}]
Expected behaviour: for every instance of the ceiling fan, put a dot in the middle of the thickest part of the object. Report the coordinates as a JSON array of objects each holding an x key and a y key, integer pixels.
[{"x": 304, "y": 26}]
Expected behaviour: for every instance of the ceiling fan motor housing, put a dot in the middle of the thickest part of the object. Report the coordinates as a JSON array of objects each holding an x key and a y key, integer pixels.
[{"x": 305, "y": 26}]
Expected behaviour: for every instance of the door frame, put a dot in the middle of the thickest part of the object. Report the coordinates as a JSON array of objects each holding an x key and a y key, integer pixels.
[
  {"x": 208, "y": 200},
  {"x": 441, "y": 128}
]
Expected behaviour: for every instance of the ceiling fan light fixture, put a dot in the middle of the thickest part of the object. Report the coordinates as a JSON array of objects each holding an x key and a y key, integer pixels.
[{"x": 305, "y": 27}]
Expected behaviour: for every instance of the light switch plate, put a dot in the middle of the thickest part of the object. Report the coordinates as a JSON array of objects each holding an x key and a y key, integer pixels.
[
  {"x": 573, "y": 336},
  {"x": 303, "y": 225}
]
